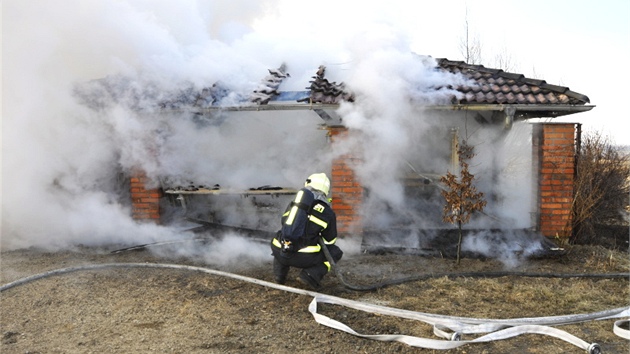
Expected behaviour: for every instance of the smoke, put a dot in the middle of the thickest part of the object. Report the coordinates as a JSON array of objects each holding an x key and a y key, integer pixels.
[
  {"x": 392, "y": 86},
  {"x": 510, "y": 247},
  {"x": 81, "y": 82},
  {"x": 507, "y": 175},
  {"x": 81, "y": 87},
  {"x": 395, "y": 134},
  {"x": 62, "y": 160},
  {"x": 227, "y": 249}
]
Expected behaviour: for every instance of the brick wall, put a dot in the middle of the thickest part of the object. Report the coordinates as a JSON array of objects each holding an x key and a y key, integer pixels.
[
  {"x": 346, "y": 192},
  {"x": 145, "y": 200},
  {"x": 555, "y": 147},
  {"x": 554, "y": 157}
]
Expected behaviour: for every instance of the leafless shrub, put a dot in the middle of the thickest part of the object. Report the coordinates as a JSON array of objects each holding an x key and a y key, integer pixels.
[
  {"x": 461, "y": 195},
  {"x": 602, "y": 187}
]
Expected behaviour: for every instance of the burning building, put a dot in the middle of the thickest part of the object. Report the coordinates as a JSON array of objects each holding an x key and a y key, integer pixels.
[{"x": 385, "y": 148}]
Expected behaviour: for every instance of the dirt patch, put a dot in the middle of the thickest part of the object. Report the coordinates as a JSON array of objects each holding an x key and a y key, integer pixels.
[{"x": 140, "y": 310}]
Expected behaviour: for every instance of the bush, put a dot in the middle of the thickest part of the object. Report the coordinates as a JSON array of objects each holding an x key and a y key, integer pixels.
[{"x": 602, "y": 189}]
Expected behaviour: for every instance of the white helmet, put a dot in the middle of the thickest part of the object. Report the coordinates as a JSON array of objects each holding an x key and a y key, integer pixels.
[{"x": 318, "y": 181}]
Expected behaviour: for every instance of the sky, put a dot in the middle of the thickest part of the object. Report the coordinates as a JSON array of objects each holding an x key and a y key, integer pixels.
[
  {"x": 579, "y": 44},
  {"x": 62, "y": 156}
]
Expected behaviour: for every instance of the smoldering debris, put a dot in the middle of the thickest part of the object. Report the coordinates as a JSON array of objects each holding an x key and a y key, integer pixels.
[
  {"x": 225, "y": 248},
  {"x": 510, "y": 246}
]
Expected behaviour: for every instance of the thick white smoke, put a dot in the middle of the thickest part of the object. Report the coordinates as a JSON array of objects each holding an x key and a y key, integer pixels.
[
  {"x": 62, "y": 159},
  {"x": 391, "y": 82}
]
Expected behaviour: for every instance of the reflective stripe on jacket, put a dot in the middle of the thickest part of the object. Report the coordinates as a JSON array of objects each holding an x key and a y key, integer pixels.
[{"x": 307, "y": 249}]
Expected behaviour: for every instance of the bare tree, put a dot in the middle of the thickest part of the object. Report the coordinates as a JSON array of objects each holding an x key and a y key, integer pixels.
[
  {"x": 503, "y": 60},
  {"x": 470, "y": 48},
  {"x": 470, "y": 45}
]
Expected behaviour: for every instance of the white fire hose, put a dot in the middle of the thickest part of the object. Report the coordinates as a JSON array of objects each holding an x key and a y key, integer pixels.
[{"x": 448, "y": 327}]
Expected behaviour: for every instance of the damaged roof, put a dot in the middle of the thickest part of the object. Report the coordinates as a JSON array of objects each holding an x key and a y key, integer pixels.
[
  {"x": 483, "y": 89},
  {"x": 484, "y": 86}
]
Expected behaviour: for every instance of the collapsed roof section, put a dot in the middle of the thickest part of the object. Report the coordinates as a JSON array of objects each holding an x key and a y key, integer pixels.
[
  {"x": 320, "y": 91},
  {"x": 323, "y": 91},
  {"x": 497, "y": 96},
  {"x": 268, "y": 88}
]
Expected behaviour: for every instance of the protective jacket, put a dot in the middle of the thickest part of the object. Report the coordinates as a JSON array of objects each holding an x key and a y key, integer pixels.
[
  {"x": 307, "y": 220},
  {"x": 322, "y": 223}
]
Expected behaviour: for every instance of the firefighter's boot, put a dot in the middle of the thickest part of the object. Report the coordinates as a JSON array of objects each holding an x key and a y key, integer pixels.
[
  {"x": 280, "y": 271},
  {"x": 309, "y": 279}
]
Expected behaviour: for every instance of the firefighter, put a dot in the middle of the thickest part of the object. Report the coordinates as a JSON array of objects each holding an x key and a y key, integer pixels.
[{"x": 304, "y": 250}]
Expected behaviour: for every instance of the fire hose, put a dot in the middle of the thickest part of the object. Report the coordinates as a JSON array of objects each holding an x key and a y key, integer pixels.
[
  {"x": 372, "y": 287},
  {"x": 450, "y": 328}
]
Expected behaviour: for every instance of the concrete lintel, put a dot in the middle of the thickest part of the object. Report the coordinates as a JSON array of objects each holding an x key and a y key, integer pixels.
[{"x": 328, "y": 111}]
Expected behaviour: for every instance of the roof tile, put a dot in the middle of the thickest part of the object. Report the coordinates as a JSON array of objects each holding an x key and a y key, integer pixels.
[
  {"x": 268, "y": 88},
  {"x": 530, "y": 99},
  {"x": 324, "y": 91},
  {"x": 517, "y": 88}
]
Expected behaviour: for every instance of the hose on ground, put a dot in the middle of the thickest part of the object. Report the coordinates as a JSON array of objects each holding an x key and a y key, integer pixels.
[
  {"x": 373, "y": 287},
  {"x": 497, "y": 329}
]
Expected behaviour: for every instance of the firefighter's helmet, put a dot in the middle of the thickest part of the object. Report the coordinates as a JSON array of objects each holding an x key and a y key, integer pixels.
[{"x": 318, "y": 181}]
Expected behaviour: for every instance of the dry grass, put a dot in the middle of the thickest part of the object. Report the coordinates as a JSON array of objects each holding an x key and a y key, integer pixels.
[
  {"x": 509, "y": 297},
  {"x": 142, "y": 310}
]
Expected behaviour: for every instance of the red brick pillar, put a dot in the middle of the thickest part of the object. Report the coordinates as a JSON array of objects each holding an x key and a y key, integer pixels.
[
  {"x": 555, "y": 155},
  {"x": 347, "y": 192},
  {"x": 145, "y": 199}
]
